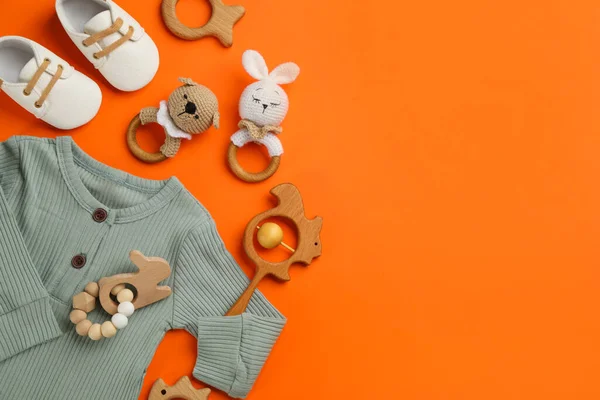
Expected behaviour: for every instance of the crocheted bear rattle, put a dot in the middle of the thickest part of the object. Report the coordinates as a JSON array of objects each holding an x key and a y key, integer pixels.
[
  {"x": 191, "y": 109},
  {"x": 263, "y": 106}
]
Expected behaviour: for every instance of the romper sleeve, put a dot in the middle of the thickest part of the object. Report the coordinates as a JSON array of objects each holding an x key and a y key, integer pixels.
[
  {"x": 26, "y": 317},
  {"x": 208, "y": 281}
]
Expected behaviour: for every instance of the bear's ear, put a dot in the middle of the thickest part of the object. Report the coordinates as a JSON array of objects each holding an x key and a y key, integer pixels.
[
  {"x": 216, "y": 119},
  {"x": 188, "y": 82}
]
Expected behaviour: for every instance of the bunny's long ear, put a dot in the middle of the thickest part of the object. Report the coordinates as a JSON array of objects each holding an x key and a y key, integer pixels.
[
  {"x": 255, "y": 65},
  {"x": 285, "y": 73}
]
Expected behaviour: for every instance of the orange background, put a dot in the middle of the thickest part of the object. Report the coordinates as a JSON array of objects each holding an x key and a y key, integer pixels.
[{"x": 451, "y": 148}]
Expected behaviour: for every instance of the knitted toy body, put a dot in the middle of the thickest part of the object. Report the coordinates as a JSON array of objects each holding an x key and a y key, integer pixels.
[{"x": 191, "y": 109}]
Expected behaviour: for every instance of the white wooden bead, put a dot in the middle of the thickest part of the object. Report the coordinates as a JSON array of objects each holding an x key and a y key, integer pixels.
[
  {"x": 77, "y": 316},
  {"x": 83, "y": 327},
  {"x": 108, "y": 329},
  {"x": 125, "y": 295},
  {"x": 95, "y": 332},
  {"x": 119, "y": 321},
  {"x": 115, "y": 291},
  {"x": 126, "y": 308},
  {"x": 92, "y": 288}
]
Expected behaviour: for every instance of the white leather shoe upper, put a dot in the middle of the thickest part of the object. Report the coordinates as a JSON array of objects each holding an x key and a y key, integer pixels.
[
  {"x": 129, "y": 67},
  {"x": 73, "y": 100}
]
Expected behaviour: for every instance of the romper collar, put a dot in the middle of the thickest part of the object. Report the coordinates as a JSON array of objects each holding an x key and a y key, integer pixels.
[{"x": 71, "y": 157}]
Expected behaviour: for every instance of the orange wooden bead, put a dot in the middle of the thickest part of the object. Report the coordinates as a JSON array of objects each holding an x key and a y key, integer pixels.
[
  {"x": 125, "y": 295},
  {"x": 92, "y": 288},
  {"x": 108, "y": 329},
  {"x": 84, "y": 301},
  {"x": 77, "y": 316},
  {"x": 83, "y": 327},
  {"x": 95, "y": 332}
]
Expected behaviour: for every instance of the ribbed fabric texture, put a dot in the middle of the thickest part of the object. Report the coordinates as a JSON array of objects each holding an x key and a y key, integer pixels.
[{"x": 49, "y": 190}]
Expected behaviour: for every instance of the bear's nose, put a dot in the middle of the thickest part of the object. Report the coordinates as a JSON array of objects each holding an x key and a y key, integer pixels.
[{"x": 190, "y": 108}]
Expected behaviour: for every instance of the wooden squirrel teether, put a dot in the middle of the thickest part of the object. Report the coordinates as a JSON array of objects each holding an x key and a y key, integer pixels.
[
  {"x": 183, "y": 389},
  {"x": 309, "y": 243},
  {"x": 191, "y": 109},
  {"x": 220, "y": 24}
]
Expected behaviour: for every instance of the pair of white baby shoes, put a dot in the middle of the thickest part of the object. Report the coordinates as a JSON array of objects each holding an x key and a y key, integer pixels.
[{"x": 48, "y": 87}]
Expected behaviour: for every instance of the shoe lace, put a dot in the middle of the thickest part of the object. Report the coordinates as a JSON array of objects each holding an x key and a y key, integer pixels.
[
  {"x": 36, "y": 77},
  {"x": 95, "y": 38}
]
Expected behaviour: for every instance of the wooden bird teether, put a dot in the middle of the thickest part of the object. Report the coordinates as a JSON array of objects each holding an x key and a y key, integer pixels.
[
  {"x": 183, "y": 389},
  {"x": 270, "y": 235},
  {"x": 220, "y": 24}
]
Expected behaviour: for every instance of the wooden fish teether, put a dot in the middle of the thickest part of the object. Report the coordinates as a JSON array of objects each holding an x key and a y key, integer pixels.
[
  {"x": 151, "y": 271},
  {"x": 183, "y": 389},
  {"x": 270, "y": 235},
  {"x": 220, "y": 24},
  {"x": 263, "y": 106},
  {"x": 191, "y": 110}
]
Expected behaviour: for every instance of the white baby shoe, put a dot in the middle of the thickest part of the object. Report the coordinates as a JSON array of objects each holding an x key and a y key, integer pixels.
[
  {"x": 111, "y": 40},
  {"x": 46, "y": 85}
]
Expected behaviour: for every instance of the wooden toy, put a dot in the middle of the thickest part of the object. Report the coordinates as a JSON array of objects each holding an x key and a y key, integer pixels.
[
  {"x": 151, "y": 271},
  {"x": 270, "y": 235},
  {"x": 85, "y": 327},
  {"x": 190, "y": 110},
  {"x": 183, "y": 389},
  {"x": 220, "y": 24},
  {"x": 262, "y": 107}
]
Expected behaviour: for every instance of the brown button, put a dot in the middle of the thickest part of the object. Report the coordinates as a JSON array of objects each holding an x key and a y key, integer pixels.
[
  {"x": 78, "y": 261},
  {"x": 100, "y": 215}
]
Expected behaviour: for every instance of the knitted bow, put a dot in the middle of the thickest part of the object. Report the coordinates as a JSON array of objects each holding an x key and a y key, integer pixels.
[{"x": 258, "y": 132}]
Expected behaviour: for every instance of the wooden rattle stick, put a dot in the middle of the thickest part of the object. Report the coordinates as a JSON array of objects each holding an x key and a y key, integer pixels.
[
  {"x": 151, "y": 271},
  {"x": 309, "y": 243},
  {"x": 183, "y": 389}
]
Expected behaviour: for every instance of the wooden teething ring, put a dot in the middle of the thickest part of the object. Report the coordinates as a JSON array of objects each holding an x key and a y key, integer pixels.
[
  {"x": 309, "y": 243},
  {"x": 135, "y": 148},
  {"x": 246, "y": 176},
  {"x": 220, "y": 24}
]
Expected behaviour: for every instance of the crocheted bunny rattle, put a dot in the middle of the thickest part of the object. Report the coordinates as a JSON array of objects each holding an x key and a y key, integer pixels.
[
  {"x": 263, "y": 106},
  {"x": 191, "y": 109}
]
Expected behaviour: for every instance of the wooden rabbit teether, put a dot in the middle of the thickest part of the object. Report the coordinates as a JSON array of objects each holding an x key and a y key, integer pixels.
[
  {"x": 263, "y": 106},
  {"x": 220, "y": 24},
  {"x": 152, "y": 270},
  {"x": 183, "y": 389},
  {"x": 309, "y": 243}
]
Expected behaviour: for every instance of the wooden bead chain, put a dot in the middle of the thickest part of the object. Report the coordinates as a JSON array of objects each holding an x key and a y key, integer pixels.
[{"x": 85, "y": 302}]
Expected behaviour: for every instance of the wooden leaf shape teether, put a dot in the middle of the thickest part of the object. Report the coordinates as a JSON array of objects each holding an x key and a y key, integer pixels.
[
  {"x": 309, "y": 243},
  {"x": 183, "y": 389},
  {"x": 151, "y": 271}
]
